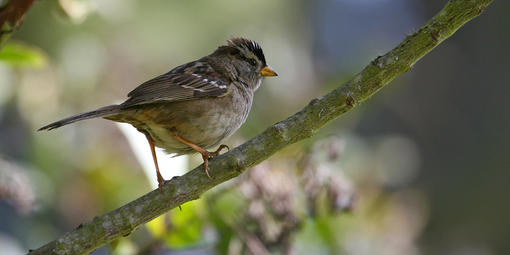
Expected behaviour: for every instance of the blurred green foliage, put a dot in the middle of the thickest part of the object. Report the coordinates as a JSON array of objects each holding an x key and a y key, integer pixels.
[{"x": 18, "y": 54}]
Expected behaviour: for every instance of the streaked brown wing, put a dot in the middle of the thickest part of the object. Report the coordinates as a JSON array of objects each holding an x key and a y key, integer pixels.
[{"x": 187, "y": 82}]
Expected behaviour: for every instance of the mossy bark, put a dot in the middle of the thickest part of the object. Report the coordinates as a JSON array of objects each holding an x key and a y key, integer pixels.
[{"x": 383, "y": 69}]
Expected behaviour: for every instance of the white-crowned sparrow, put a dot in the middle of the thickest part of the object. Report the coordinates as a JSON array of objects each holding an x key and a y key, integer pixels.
[{"x": 194, "y": 106}]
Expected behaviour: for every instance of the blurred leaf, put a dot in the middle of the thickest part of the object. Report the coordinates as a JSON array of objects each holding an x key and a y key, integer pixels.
[
  {"x": 228, "y": 206},
  {"x": 20, "y": 54},
  {"x": 186, "y": 226},
  {"x": 182, "y": 229},
  {"x": 157, "y": 226},
  {"x": 309, "y": 239},
  {"x": 225, "y": 209}
]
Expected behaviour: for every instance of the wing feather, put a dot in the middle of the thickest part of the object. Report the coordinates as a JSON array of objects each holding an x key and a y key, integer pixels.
[{"x": 191, "y": 81}]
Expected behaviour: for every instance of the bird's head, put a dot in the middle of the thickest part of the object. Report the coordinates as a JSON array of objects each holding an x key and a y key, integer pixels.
[{"x": 245, "y": 61}]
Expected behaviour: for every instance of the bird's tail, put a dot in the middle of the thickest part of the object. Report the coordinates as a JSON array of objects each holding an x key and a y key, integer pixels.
[{"x": 101, "y": 112}]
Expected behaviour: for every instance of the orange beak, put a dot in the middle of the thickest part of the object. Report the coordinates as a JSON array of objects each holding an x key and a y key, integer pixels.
[{"x": 267, "y": 71}]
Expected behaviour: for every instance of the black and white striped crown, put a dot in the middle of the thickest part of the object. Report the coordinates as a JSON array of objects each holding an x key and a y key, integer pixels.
[{"x": 249, "y": 45}]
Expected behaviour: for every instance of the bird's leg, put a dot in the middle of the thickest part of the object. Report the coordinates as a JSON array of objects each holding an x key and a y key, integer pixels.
[
  {"x": 205, "y": 154},
  {"x": 161, "y": 181}
]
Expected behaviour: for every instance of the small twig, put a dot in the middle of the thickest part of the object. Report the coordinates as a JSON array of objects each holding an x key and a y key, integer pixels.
[{"x": 11, "y": 17}]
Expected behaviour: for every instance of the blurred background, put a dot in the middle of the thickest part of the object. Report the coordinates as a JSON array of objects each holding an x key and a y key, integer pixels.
[{"x": 420, "y": 168}]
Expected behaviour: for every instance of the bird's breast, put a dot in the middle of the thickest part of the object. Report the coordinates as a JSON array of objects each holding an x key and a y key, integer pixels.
[{"x": 205, "y": 122}]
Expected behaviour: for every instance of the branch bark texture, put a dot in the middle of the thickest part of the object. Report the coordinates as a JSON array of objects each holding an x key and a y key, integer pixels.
[
  {"x": 122, "y": 221},
  {"x": 12, "y": 13}
]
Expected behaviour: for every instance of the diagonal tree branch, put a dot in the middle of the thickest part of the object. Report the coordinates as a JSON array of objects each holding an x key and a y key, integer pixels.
[
  {"x": 122, "y": 221},
  {"x": 12, "y": 13}
]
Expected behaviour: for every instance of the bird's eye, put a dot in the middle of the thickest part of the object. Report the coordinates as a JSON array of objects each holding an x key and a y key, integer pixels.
[{"x": 252, "y": 62}]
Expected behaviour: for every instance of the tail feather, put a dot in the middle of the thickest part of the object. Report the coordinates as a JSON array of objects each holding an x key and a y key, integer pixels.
[{"x": 101, "y": 112}]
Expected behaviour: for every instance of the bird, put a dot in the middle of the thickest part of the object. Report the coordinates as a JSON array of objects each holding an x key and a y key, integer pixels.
[{"x": 194, "y": 106}]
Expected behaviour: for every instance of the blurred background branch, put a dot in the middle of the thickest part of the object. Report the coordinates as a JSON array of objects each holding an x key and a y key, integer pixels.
[
  {"x": 377, "y": 74},
  {"x": 12, "y": 13}
]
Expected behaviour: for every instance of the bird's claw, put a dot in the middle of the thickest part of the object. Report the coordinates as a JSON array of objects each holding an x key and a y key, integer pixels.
[{"x": 207, "y": 155}]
